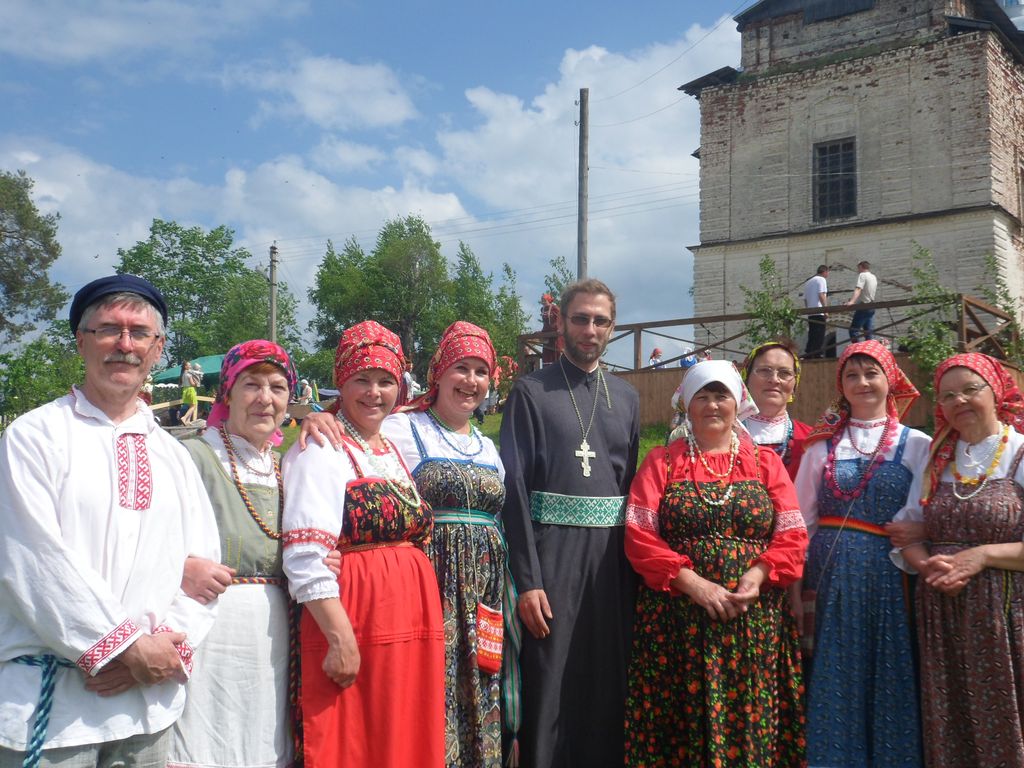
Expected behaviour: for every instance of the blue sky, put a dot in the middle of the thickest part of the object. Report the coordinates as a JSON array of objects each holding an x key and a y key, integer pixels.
[{"x": 302, "y": 121}]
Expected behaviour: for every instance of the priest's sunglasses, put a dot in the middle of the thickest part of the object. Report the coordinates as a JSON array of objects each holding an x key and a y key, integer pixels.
[
  {"x": 599, "y": 321},
  {"x": 111, "y": 333}
]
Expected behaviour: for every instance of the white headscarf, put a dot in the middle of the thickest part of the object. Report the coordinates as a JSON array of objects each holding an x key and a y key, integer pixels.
[{"x": 725, "y": 373}]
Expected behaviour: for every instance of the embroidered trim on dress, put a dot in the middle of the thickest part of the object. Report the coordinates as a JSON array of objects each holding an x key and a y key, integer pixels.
[
  {"x": 309, "y": 536},
  {"x": 134, "y": 474},
  {"x": 643, "y": 518},
  {"x": 788, "y": 520},
  {"x": 107, "y": 646}
]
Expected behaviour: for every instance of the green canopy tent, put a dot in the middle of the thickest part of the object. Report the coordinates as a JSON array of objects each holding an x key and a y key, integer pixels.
[{"x": 210, "y": 365}]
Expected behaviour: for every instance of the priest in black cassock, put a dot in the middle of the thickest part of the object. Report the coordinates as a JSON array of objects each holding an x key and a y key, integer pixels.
[{"x": 569, "y": 442}]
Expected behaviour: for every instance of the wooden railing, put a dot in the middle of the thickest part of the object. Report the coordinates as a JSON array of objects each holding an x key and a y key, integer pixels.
[{"x": 979, "y": 327}]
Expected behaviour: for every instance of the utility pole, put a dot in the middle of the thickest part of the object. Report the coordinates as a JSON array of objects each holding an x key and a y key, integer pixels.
[
  {"x": 581, "y": 215},
  {"x": 273, "y": 292}
]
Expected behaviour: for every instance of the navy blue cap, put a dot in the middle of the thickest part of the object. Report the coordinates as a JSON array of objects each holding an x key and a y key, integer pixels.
[{"x": 104, "y": 286}]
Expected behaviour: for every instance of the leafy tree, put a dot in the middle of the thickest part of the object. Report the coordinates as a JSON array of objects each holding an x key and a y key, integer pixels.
[
  {"x": 509, "y": 318},
  {"x": 560, "y": 277},
  {"x": 213, "y": 299},
  {"x": 773, "y": 310},
  {"x": 28, "y": 248},
  {"x": 407, "y": 285},
  {"x": 996, "y": 292},
  {"x": 340, "y": 292},
  {"x": 39, "y": 371},
  {"x": 931, "y": 337}
]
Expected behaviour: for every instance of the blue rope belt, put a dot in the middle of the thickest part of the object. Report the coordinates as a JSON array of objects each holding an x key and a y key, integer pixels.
[{"x": 49, "y": 663}]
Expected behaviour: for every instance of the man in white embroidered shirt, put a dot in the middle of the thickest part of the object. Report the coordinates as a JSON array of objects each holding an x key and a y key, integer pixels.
[{"x": 99, "y": 507}]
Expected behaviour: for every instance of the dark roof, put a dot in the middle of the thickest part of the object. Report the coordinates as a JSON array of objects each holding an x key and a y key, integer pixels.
[
  {"x": 813, "y": 10},
  {"x": 722, "y": 76}
]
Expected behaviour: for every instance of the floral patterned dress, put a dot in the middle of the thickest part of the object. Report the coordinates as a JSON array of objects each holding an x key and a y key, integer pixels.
[
  {"x": 461, "y": 477},
  {"x": 972, "y": 644},
  {"x": 704, "y": 692}
]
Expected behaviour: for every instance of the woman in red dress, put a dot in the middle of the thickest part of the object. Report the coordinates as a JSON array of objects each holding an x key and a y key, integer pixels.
[{"x": 372, "y": 640}]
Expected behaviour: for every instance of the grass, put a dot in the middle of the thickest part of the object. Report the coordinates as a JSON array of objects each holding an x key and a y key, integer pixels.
[{"x": 649, "y": 436}]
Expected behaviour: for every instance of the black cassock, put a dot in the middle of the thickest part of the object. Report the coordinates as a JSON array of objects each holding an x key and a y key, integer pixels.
[{"x": 574, "y": 680}]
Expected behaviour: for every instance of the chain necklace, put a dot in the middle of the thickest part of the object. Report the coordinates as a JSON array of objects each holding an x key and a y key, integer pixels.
[
  {"x": 721, "y": 478},
  {"x": 584, "y": 453},
  {"x": 982, "y": 480},
  {"x": 229, "y": 447},
  {"x": 876, "y": 458},
  {"x": 970, "y": 462},
  {"x": 238, "y": 456},
  {"x": 442, "y": 428},
  {"x": 380, "y": 466},
  {"x": 865, "y": 425}
]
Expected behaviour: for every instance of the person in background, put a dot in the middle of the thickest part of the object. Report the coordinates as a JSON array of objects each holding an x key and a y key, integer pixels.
[
  {"x": 714, "y": 529},
  {"x": 655, "y": 361},
  {"x": 305, "y": 393},
  {"x": 861, "y": 467},
  {"x": 862, "y": 324},
  {"x": 569, "y": 443},
  {"x": 816, "y": 296},
  {"x": 248, "y": 648},
  {"x": 99, "y": 508},
  {"x": 772, "y": 374},
  {"x": 372, "y": 640},
  {"x": 970, "y": 599},
  {"x": 191, "y": 379}
]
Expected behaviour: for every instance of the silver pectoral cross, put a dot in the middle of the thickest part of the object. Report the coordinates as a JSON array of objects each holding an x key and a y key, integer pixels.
[{"x": 586, "y": 454}]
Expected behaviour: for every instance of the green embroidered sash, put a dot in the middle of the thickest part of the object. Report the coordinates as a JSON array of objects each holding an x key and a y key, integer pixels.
[{"x": 581, "y": 511}]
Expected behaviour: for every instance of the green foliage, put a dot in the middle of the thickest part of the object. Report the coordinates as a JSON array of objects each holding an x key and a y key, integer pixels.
[
  {"x": 39, "y": 371},
  {"x": 774, "y": 311},
  {"x": 510, "y": 319},
  {"x": 560, "y": 277},
  {"x": 997, "y": 293},
  {"x": 407, "y": 285},
  {"x": 213, "y": 299},
  {"x": 28, "y": 248},
  {"x": 316, "y": 366},
  {"x": 931, "y": 334}
]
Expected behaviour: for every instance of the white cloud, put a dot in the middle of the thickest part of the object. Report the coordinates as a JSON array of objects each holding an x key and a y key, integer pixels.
[
  {"x": 643, "y": 183},
  {"x": 417, "y": 162},
  {"x": 328, "y": 92},
  {"x": 76, "y": 31},
  {"x": 334, "y": 154}
]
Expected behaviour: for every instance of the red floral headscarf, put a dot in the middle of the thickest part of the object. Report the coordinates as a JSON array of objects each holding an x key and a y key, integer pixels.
[
  {"x": 1009, "y": 408},
  {"x": 459, "y": 341},
  {"x": 240, "y": 357},
  {"x": 902, "y": 392},
  {"x": 365, "y": 346}
]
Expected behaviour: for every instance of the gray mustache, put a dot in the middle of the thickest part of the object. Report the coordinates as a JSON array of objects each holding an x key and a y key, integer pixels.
[{"x": 123, "y": 357}]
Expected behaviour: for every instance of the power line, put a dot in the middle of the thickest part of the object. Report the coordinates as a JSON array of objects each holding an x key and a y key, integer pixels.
[{"x": 677, "y": 58}]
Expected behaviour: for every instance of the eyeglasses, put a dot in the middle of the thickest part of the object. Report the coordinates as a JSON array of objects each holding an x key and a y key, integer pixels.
[
  {"x": 599, "y": 321},
  {"x": 767, "y": 373},
  {"x": 969, "y": 392},
  {"x": 108, "y": 333}
]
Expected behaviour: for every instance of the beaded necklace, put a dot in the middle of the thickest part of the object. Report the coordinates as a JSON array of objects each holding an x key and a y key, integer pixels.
[
  {"x": 982, "y": 480},
  {"x": 442, "y": 428},
  {"x": 723, "y": 478},
  {"x": 229, "y": 447},
  {"x": 380, "y": 467},
  {"x": 876, "y": 457}
]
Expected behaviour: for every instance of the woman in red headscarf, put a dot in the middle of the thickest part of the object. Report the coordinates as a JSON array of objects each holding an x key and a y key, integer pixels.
[
  {"x": 971, "y": 599},
  {"x": 860, "y": 468},
  {"x": 457, "y": 470},
  {"x": 372, "y": 640}
]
